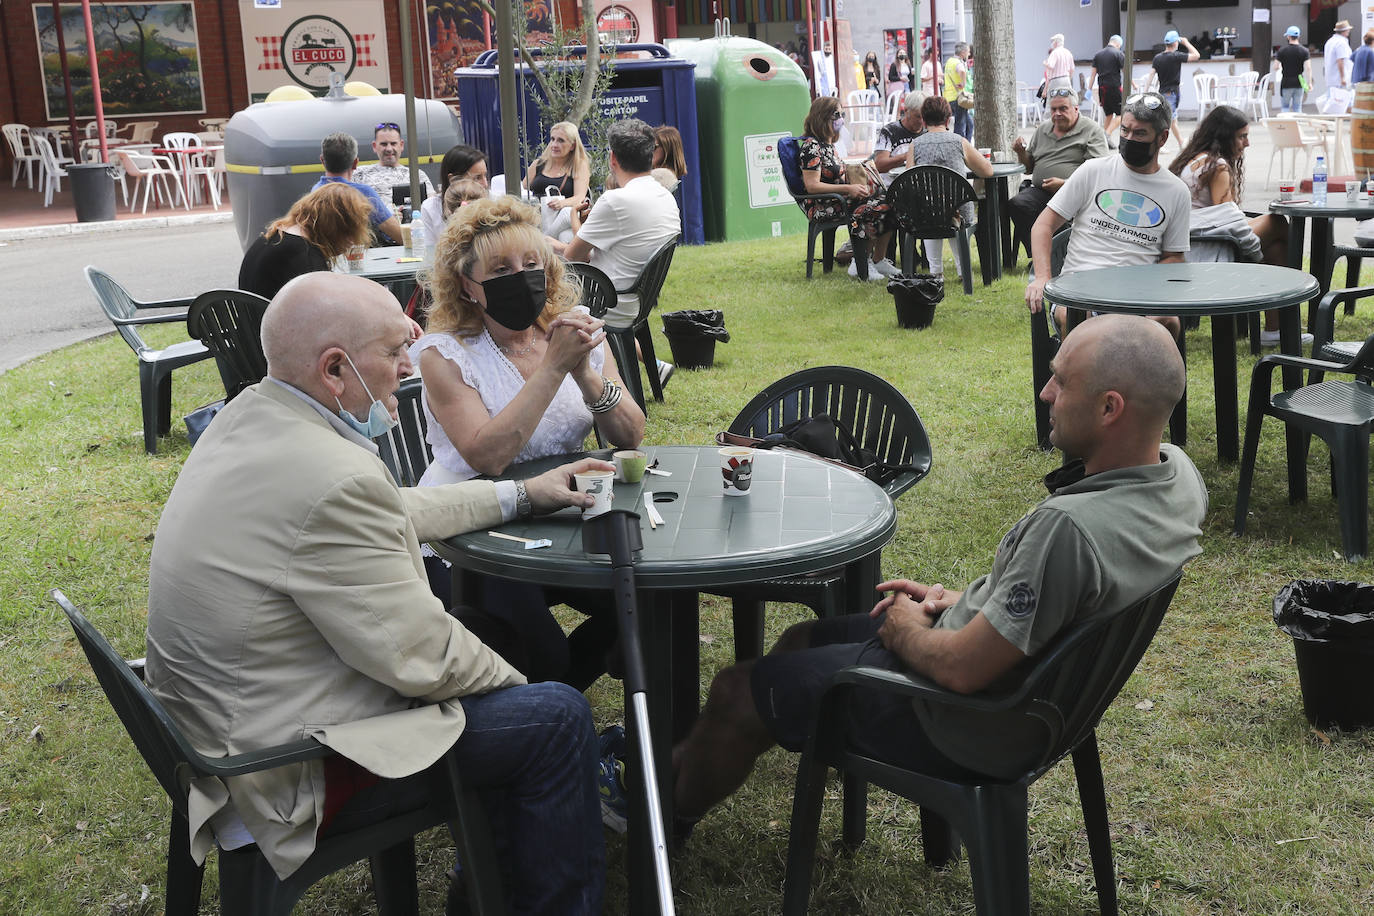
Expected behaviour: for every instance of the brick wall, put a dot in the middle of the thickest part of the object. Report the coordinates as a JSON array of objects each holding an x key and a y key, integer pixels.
[{"x": 221, "y": 63}]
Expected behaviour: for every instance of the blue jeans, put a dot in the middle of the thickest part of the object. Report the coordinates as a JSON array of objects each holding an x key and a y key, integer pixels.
[
  {"x": 963, "y": 121},
  {"x": 531, "y": 751},
  {"x": 1291, "y": 99}
]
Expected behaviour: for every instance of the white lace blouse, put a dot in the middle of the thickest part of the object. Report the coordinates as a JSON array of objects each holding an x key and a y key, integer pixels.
[{"x": 563, "y": 428}]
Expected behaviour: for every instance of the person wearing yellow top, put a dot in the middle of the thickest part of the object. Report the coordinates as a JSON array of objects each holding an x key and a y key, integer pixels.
[{"x": 957, "y": 78}]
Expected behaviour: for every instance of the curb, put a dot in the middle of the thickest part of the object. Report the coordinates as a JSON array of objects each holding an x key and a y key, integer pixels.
[{"x": 114, "y": 225}]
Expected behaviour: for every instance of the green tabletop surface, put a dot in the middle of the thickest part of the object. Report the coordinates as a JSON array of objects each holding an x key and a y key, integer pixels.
[
  {"x": 1337, "y": 206},
  {"x": 1223, "y": 288},
  {"x": 801, "y": 515}
]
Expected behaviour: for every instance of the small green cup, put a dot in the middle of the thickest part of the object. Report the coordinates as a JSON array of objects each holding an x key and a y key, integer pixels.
[{"x": 630, "y": 465}]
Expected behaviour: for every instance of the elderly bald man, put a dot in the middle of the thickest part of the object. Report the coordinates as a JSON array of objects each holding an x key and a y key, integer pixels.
[
  {"x": 287, "y": 599},
  {"x": 1121, "y": 518}
]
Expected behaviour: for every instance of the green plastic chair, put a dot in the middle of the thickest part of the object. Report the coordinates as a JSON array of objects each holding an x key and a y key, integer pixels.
[
  {"x": 248, "y": 885},
  {"x": 154, "y": 366},
  {"x": 925, "y": 200},
  {"x": 229, "y": 323},
  {"x": 1067, "y": 690},
  {"x": 403, "y": 449},
  {"x": 1340, "y": 412},
  {"x": 882, "y": 420}
]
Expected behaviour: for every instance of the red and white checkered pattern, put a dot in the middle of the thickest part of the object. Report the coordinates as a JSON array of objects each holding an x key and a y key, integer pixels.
[{"x": 271, "y": 51}]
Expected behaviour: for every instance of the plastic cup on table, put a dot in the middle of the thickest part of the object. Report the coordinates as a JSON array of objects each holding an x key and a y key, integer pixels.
[
  {"x": 354, "y": 256},
  {"x": 736, "y": 469}
]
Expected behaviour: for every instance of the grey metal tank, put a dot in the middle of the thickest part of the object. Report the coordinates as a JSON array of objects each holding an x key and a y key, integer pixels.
[{"x": 272, "y": 149}]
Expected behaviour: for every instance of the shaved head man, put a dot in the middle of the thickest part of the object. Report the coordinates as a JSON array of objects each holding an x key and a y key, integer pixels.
[
  {"x": 1119, "y": 522},
  {"x": 287, "y": 599}
]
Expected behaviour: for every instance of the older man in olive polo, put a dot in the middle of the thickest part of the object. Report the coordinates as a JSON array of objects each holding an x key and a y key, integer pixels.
[{"x": 1056, "y": 149}]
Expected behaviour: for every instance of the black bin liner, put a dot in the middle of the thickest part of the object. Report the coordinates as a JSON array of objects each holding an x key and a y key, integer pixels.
[
  {"x": 1332, "y": 625},
  {"x": 692, "y": 333},
  {"x": 916, "y": 298},
  {"x": 93, "y": 191}
]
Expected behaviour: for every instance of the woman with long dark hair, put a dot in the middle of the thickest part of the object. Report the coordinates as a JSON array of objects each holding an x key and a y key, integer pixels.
[
  {"x": 1212, "y": 165},
  {"x": 873, "y": 72}
]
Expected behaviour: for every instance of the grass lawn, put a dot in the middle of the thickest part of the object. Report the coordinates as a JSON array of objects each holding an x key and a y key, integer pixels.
[{"x": 1222, "y": 799}]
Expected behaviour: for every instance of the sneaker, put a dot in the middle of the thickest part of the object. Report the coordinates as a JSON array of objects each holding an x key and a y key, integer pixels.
[
  {"x": 854, "y": 270},
  {"x": 665, "y": 372},
  {"x": 884, "y": 268},
  {"x": 1271, "y": 338},
  {"x": 610, "y": 784}
]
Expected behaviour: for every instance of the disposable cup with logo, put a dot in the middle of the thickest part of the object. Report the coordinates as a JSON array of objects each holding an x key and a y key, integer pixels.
[
  {"x": 408, "y": 237},
  {"x": 1288, "y": 187},
  {"x": 601, "y": 485},
  {"x": 736, "y": 470},
  {"x": 630, "y": 465},
  {"x": 354, "y": 257}
]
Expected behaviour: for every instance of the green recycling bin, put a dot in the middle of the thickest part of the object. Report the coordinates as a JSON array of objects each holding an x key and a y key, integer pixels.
[{"x": 748, "y": 95}]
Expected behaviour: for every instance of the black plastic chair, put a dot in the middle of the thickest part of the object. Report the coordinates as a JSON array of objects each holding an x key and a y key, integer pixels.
[
  {"x": 881, "y": 419},
  {"x": 789, "y": 158},
  {"x": 925, "y": 201},
  {"x": 229, "y": 323},
  {"x": 647, "y": 286},
  {"x": 1066, "y": 691},
  {"x": 403, "y": 449},
  {"x": 248, "y": 885},
  {"x": 1341, "y": 412},
  {"x": 154, "y": 366}
]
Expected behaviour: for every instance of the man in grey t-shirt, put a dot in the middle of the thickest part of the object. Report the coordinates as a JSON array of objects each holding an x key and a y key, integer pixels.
[{"x": 1120, "y": 520}]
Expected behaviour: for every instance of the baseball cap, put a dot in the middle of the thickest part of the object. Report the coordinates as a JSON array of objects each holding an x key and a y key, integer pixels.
[
  {"x": 1293, "y": 31},
  {"x": 1171, "y": 37}
]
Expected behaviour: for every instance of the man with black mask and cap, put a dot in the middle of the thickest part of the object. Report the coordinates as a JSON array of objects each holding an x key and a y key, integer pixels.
[{"x": 1126, "y": 209}]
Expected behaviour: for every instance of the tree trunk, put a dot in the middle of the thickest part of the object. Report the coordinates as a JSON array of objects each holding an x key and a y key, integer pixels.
[{"x": 994, "y": 56}]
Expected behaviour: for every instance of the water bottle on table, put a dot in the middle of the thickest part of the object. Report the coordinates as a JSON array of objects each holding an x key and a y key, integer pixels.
[{"x": 1319, "y": 182}]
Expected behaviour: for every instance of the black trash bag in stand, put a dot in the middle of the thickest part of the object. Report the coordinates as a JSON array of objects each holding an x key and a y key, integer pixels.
[
  {"x": 692, "y": 334},
  {"x": 1332, "y": 625},
  {"x": 916, "y": 298}
]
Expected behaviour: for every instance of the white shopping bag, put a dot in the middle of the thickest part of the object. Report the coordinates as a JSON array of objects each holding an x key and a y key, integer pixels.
[{"x": 1336, "y": 101}]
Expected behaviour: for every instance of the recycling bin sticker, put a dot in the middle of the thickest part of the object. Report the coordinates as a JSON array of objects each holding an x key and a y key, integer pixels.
[{"x": 767, "y": 188}]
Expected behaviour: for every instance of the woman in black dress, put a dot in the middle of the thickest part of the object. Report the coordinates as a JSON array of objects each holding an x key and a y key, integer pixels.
[{"x": 318, "y": 228}]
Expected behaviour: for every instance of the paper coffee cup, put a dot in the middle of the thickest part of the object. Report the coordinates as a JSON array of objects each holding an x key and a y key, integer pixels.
[
  {"x": 1287, "y": 188},
  {"x": 630, "y": 465},
  {"x": 601, "y": 485},
  {"x": 736, "y": 469}
]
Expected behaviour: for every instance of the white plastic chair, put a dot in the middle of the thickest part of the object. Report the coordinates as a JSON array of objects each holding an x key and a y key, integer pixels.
[
  {"x": 93, "y": 127},
  {"x": 1258, "y": 102},
  {"x": 894, "y": 105},
  {"x": 146, "y": 166},
  {"x": 141, "y": 131},
  {"x": 1028, "y": 111},
  {"x": 180, "y": 140},
  {"x": 1293, "y": 134},
  {"x": 22, "y": 152},
  {"x": 203, "y": 165},
  {"x": 1205, "y": 88},
  {"x": 53, "y": 171},
  {"x": 861, "y": 136},
  {"x": 864, "y": 105}
]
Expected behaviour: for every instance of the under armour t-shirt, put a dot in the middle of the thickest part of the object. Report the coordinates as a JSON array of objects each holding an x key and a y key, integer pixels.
[{"x": 1121, "y": 217}]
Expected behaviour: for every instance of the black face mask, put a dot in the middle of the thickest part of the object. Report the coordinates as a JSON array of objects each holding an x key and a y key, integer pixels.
[
  {"x": 1137, "y": 153},
  {"x": 515, "y": 300}
]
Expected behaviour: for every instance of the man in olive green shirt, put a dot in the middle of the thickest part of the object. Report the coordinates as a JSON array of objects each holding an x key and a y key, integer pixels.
[
  {"x": 1121, "y": 519},
  {"x": 1056, "y": 149}
]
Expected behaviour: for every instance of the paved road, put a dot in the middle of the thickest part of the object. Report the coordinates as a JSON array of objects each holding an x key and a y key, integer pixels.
[{"x": 45, "y": 302}]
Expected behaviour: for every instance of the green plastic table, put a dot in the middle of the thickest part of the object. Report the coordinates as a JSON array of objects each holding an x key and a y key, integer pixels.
[
  {"x": 384, "y": 265},
  {"x": 1221, "y": 291},
  {"x": 995, "y": 220},
  {"x": 801, "y": 515},
  {"x": 1321, "y": 261}
]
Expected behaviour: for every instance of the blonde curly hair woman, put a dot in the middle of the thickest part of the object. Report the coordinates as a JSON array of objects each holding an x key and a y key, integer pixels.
[{"x": 515, "y": 370}]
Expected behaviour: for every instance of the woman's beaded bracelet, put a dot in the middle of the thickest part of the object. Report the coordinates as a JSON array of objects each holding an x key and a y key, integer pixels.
[{"x": 610, "y": 396}]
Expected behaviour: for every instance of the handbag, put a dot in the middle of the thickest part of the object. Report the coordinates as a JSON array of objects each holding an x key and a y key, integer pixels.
[
  {"x": 826, "y": 438},
  {"x": 1040, "y": 93},
  {"x": 964, "y": 100},
  {"x": 198, "y": 420}
]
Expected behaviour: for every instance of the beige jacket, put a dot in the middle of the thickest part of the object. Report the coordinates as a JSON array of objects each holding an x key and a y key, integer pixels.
[{"x": 287, "y": 599}]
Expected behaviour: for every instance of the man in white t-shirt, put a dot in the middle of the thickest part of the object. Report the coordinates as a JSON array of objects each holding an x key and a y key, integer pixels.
[
  {"x": 1126, "y": 209},
  {"x": 388, "y": 172},
  {"x": 1336, "y": 64},
  {"x": 629, "y": 223}
]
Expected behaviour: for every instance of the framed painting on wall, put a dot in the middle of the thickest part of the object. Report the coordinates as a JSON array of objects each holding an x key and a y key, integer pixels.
[{"x": 149, "y": 57}]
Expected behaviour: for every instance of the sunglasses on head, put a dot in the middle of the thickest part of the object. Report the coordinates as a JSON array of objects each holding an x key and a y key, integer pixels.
[
  {"x": 1148, "y": 99},
  {"x": 388, "y": 125},
  {"x": 1062, "y": 93}
]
